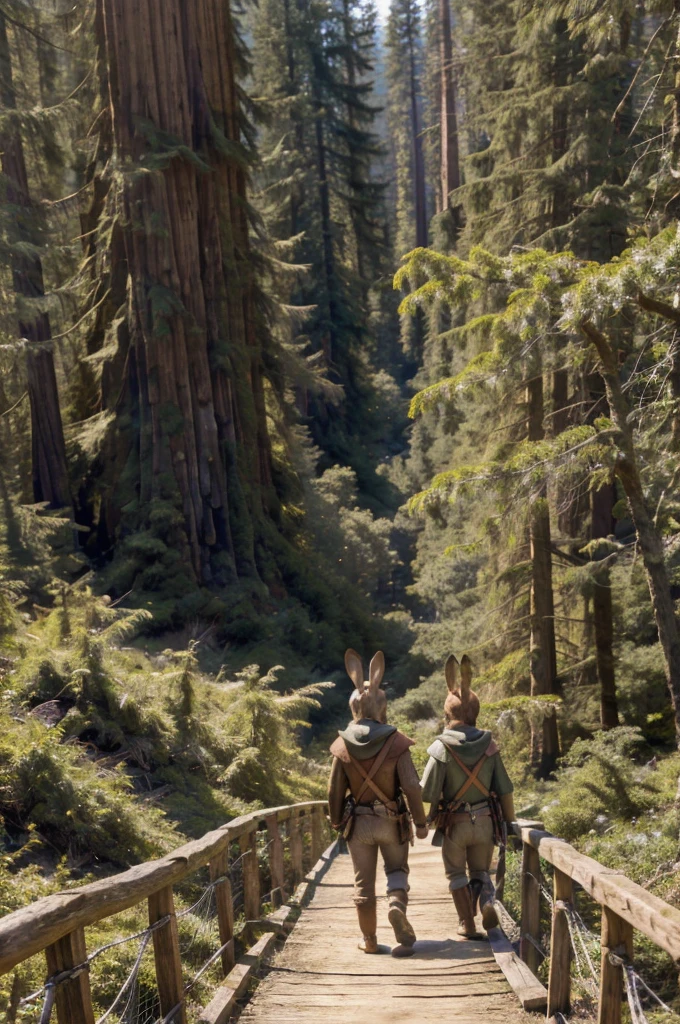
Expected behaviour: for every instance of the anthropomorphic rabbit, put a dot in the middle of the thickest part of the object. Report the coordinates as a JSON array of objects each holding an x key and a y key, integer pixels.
[
  {"x": 465, "y": 782},
  {"x": 371, "y": 775}
]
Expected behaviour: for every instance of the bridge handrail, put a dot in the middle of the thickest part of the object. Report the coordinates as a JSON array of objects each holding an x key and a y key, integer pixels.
[
  {"x": 625, "y": 906},
  {"x": 56, "y": 923}
]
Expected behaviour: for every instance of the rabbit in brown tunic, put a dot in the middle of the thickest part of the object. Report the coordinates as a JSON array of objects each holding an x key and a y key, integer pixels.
[
  {"x": 371, "y": 774},
  {"x": 470, "y": 794}
]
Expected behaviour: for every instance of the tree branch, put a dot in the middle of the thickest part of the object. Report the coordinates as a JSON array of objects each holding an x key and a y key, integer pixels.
[
  {"x": 602, "y": 344},
  {"x": 659, "y": 307}
]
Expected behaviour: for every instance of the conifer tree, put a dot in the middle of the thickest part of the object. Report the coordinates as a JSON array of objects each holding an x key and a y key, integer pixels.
[
  {"x": 49, "y": 468},
  {"x": 405, "y": 102},
  {"x": 448, "y": 115},
  {"x": 319, "y": 151}
]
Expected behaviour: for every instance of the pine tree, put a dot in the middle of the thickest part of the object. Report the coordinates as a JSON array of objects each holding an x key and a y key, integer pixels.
[
  {"x": 49, "y": 468},
  {"x": 405, "y": 102},
  {"x": 319, "y": 154},
  {"x": 448, "y": 116},
  {"x": 543, "y": 97},
  {"x": 553, "y": 296}
]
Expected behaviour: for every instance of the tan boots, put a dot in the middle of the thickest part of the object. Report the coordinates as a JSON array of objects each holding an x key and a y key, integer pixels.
[
  {"x": 466, "y": 916},
  {"x": 403, "y": 929},
  {"x": 489, "y": 915},
  {"x": 368, "y": 922}
]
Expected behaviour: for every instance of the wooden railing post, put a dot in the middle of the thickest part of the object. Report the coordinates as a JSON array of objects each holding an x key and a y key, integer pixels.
[
  {"x": 617, "y": 937},
  {"x": 73, "y": 997},
  {"x": 305, "y": 832},
  {"x": 317, "y": 834},
  {"x": 559, "y": 984},
  {"x": 251, "y": 876},
  {"x": 295, "y": 848},
  {"x": 219, "y": 869},
  {"x": 276, "y": 868},
  {"x": 166, "y": 954},
  {"x": 530, "y": 926}
]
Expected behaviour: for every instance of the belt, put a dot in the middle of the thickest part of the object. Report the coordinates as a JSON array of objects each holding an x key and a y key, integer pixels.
[
  {"x": 376, "y": 808},
  {"x": 483, "y": 812},
  {"x": 472, "y": 811}
]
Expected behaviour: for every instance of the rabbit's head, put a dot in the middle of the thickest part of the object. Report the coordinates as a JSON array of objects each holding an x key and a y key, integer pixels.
[
  {"x": 462, "y": 703},
  {"x": 367, "y": 700}
]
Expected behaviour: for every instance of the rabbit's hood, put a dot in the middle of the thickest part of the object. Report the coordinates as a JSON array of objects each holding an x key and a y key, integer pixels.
[
  {"x": 366, "y": 738},
  {"x": 470, "y": 744}
]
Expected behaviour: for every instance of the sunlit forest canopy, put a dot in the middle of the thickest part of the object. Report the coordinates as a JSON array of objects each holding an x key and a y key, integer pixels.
[{"x": 325, "y": 325}]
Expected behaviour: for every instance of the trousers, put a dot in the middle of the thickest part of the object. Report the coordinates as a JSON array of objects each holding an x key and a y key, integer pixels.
[
  {"x": 375, "y": 832},
  {"x": 469, "y": 847}
]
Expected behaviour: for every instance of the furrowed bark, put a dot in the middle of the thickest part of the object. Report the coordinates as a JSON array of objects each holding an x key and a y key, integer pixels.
[
  {"x": 194, "y": 373},
  {"x": 48, "y": 450}
]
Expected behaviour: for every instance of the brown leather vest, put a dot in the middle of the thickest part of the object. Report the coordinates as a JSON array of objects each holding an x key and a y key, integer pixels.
[{"x": 386, "y": 778}]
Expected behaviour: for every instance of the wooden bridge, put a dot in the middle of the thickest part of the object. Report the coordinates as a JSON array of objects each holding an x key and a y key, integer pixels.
[{"x": 299, "y": 962}]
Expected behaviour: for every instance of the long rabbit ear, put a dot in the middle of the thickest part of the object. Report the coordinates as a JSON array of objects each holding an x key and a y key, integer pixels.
[
  {"x": 376, "y": 670},
  {"x": 355, "y": 668},
  {"x": 465, "y": 678},
  {"x": 451, "y": 671}
]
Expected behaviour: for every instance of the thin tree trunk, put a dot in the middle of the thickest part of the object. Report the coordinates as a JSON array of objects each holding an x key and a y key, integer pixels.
[
  {"x": 354, "y": 168},
  {"x": 326, "y": 232},
  {"x": 649, "y": 539},
  {"x": 675, "y": 122},
  {"x": 295, "y": 197},
  {"x": 601, "y": 525},
  {"x": 543, "y": 657},
  {"x": 418, "y": 156},
  {"x": 48, "y": 450},
  {"x": 561, "y": 206},
  {"x": 450, "y": 165},
  {"x": 674, "y": 382}
]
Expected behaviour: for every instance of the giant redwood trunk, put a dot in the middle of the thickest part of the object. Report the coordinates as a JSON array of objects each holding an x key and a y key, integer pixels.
[
  {"x": 48, "y": 451},
  {"x": 195, "y": 366},
  {"x": 542, "y": 653}
]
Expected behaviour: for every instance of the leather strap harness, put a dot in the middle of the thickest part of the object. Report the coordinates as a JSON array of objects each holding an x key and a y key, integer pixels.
[
  {"x": 472, "y": 779},
  {"x": 472, "y": 775},
  {"x": 368, "y": 777}
]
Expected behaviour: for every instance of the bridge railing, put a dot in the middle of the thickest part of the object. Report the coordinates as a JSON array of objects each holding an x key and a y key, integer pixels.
[
  {"x": 56, "y": 924},
  {"x": 626, "y": 908}
]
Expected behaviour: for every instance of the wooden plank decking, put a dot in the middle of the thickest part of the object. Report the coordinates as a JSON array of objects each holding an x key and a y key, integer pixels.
[{"x": 320, "y": 977}]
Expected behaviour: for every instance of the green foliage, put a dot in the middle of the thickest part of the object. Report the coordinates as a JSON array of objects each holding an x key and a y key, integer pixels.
[
  {"x": 110, "y": 755},
  {"x": 353, "y": 543},
  {"x": 598, "y": 775},
  {"x": 267, "y": 766}
]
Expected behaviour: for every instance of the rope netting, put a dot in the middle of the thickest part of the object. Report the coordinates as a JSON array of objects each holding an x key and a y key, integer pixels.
[
  {"x": 586, "y": 957},
  {"x": 135, "y": 1000}
]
